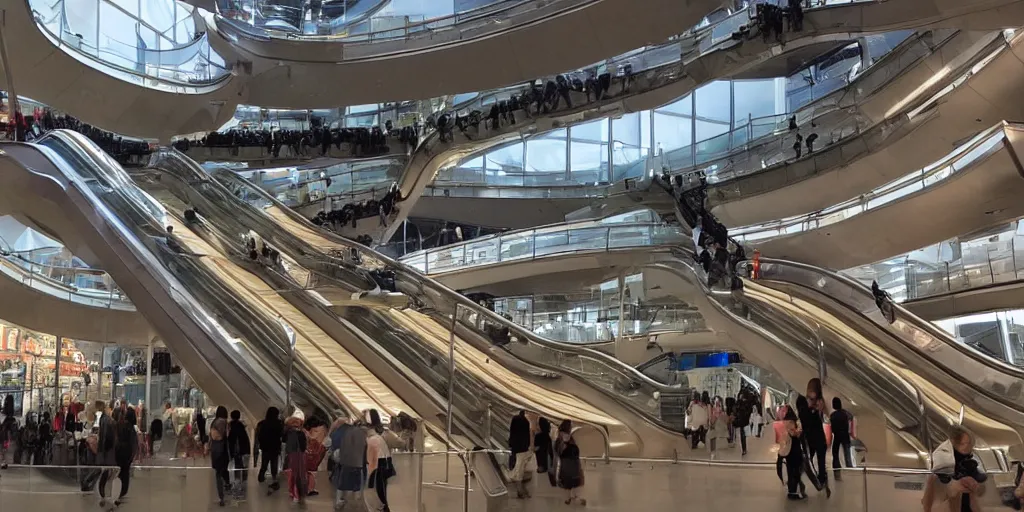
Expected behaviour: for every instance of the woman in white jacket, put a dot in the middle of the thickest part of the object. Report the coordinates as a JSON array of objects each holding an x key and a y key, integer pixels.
[{"x": 698, "y": 413}]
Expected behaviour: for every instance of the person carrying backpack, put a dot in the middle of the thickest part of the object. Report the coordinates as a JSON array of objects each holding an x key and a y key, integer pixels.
[{"x": 348, "y": 449}]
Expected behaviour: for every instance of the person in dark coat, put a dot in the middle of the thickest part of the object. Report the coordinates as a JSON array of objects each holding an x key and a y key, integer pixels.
[
  {"x": 220, "y": 456},
  {"x": 106, "y": 438},
  {"x": 239, "y": 449},
  {"x": 570, "y": 469},
  {"x": 269, "y": 433},
  {"x": 126, "y": 447},
  {"x": 544, "y": 449},
  {"x": 519, "y": 442},
  {"x": 812, "y": 420}
]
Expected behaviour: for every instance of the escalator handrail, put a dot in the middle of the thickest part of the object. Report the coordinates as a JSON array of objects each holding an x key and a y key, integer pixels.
[
  {"x": 901, "y": 312},
  {"x": 612, "y": 363},
  {"x": 114, "y": 294}
]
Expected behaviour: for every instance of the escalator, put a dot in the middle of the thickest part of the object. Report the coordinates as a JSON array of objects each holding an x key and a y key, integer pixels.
[
  {"x": 236, "y": 347},
  {"x": 416, "y": 323},
  {"x": 801, "y": 321},
  {"x": 906, "y": 382}
]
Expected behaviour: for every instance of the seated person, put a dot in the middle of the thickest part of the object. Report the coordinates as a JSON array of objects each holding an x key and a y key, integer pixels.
[{"x": 960, "y": 474}]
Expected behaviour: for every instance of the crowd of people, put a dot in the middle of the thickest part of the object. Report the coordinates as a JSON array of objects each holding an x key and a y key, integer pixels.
[
  {"x": 539, "y": 97},
  {"x": 351, "y": 213},
  {"x": 712, "y": 418},
  {"x": 28, "y": 128},
  {"x": 316, "y": 141},
  {"x": 110, "y": 439},
  {"x": 770, "y": 19},
  {"x": 530, "y": 443}
]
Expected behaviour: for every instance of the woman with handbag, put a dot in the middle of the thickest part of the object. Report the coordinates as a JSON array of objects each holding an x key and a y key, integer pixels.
[{"x": 570, "y": 468}]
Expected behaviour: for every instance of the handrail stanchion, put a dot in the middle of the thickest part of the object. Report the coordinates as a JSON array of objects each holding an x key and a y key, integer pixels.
[
  {"x": 451, "y": 392},
  {"x": 465, "y": 482}
]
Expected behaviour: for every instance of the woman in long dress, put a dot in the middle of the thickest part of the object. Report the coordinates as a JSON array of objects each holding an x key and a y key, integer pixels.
[{"x": 570, "y": 468}]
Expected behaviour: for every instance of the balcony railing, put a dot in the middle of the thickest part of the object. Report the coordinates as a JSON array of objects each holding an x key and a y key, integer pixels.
[
  {"x": 86, "y": 286},
  {"x": 539, "y": 243},
  {"x": 183, "y": 69},
  {"x": 983, "y": 145}
]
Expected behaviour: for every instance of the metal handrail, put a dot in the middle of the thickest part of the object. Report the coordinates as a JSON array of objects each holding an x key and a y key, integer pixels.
[
  {"x": 549, "y": 229},
  {"x": 612, "y": 364},
  {"x": 63, "y": 45},
  {"x": 953, "y": 163},
  {"x": 918, "y": 323}
]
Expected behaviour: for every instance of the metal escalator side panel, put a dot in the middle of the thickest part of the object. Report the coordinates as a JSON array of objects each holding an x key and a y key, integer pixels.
[{"x": 154, "y": 271}]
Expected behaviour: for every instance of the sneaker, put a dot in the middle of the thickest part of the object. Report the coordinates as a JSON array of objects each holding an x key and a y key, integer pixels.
[
  {"x": 274, "y": 486},
  {"x": 313, "y": 493},
  {"x": 583, "y": 502},
  {"x": 220, "y": 503},
  {"x": 261, "y": 478},
  {"x": 744, "y": 454},
  {"x": 795, "y": 497}
]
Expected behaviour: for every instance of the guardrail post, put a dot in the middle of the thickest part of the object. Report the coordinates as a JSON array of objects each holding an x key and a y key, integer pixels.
[
  {"x": 465, "y": 483},
  {"x": 451, "y": 394},
  {"x": 417, "y": 465},
  {"x": 56, "y": 380}
]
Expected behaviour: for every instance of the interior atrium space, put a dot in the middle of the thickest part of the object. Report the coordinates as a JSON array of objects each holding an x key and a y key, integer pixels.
[{"x": 512, "y": 255}]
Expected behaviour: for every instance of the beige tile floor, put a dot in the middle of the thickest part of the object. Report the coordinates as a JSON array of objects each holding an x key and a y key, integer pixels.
[{"x": 609, "y": 487}]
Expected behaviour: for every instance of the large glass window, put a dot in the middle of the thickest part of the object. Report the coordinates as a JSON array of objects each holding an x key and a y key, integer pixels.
[
  {"x": 545, "y": 159},
  {"x": 505, "y": 165},
  {"x": 714, "y": 102},
  {"x": 589, "y": 152},
  {"x": 673, "y": 134},
  {"x": 628, "y": 156},
  {"x": 755, "y": 98}
]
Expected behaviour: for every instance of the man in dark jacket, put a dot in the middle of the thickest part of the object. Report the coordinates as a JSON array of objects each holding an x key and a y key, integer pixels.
[
  {"x": 745, "y": 401},
  {"x": 269, "y": 432},
  {"x": 106, "y": 437},
  {"x": 239, "y": 450},
  {"x": 813, "y": 423},
  {"x": 520, "y": 441}
]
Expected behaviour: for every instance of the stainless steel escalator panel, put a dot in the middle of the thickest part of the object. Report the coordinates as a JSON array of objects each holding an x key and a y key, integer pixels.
[
  {"x": 637, "y": 393},
  {"x": 351, "y": 382},
  {"x": 231, "y": 349},
  {"x": 1001, "y": 381},
  {"x": 545, "y": 354},
  {"x": 221, "y": 220},
  {"x": 776, "y": 334}
]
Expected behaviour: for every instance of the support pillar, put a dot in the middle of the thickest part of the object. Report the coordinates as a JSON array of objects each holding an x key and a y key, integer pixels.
[
  {"x": 56, "y": 380},
  {"x": 148, "y": 408}
]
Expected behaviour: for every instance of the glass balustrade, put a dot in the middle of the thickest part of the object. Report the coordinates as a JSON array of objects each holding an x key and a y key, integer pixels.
[
  {"x": 121, "y": 42},
  {"x": 587, "y": 317},
  {"x": 533, "y": 244},
  {"x": 669, "y": 135},
  {"x": 975, "y": 151},
  {"x": 846, "y": 129},
  {"x": 980, "y": 264},
  {"x": 90, "y": 287}
]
